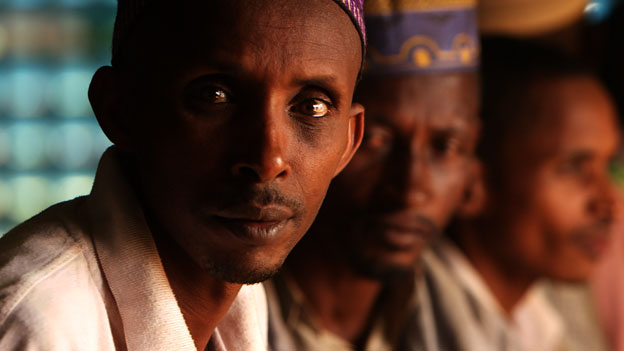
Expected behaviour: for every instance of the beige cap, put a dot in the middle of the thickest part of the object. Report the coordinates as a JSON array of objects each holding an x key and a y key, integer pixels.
[{"x": 528, "y": 17}]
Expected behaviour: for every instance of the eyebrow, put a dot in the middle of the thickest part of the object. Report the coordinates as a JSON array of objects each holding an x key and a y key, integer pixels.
[
  {"x": 324, "y": 82},
  {"x": 452, "y": 129},
  {"x": 320, "y": 80},
  {"x": 580, "y": 154}
]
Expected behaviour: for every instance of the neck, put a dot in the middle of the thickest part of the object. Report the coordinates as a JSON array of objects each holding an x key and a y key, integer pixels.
[
  {"x": 203, "y": 299},
  {"x": 341, "y": 299},
  {"x": 507, "y": 283}
]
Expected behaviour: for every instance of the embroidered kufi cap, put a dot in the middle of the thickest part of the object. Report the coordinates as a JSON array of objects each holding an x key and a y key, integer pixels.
[
  {"x": 128, "y": 11},
  {"x": 420, "y": 36}
]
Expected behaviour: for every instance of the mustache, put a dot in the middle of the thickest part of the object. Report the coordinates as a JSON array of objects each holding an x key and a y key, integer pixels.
[
  {"x": 224, "y": 199},
  {"x": 416, "y": 221}
]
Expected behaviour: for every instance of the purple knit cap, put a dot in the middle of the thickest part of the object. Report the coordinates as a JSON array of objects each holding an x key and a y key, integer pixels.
[
  {"x": 420, "y": 36},
  {"x": 128, "y": 11}
]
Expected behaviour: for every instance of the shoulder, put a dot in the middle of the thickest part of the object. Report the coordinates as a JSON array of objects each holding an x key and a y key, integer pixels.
[
  {"x": 572, "y": 304},
  {"x": 45, "y": 277}
]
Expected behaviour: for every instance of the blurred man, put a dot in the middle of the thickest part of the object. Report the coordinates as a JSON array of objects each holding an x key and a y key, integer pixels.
[
  {"x": 608, "y": 281},
  {"x": 545, "y": 206},
  {"x": 229, "y": 119},
  {"x": 352, "y": 284}
]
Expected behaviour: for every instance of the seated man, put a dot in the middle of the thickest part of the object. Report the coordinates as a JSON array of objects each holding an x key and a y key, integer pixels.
[
  {"x": 229, "y": 119},
  {"x": 545, "y": 206},
  {"x": 353, "y": 283}
]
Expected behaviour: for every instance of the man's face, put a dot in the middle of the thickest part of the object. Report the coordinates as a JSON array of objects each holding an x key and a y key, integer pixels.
[
  {"x": 410, "y": 173},
  {"x": 240, "y": 115},
  {"x": 556, "y": 213}
]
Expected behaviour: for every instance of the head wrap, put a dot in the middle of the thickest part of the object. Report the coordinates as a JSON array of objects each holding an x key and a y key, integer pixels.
[
  {"x": 420, "y": 36},
  {"x": 128, "y": 11}
]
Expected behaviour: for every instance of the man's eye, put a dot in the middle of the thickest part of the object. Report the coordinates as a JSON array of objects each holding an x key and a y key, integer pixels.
[
  {"x": 577, "y": 164},
  {"x": 214, "y": 95},
  {"x": 446, "y": 145},
  {"x": 313, "y": 107}
]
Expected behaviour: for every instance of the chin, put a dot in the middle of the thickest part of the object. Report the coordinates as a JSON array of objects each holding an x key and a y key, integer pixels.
[
  {"x": 385, "y": 266},
  {"x": 240, "y": 264},
  {"x": 579, "y": 273},
  {"x": 241, "y": 271}
]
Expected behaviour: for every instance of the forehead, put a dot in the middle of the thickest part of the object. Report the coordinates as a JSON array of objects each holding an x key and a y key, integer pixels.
[
  {"x": 251, "y": 33},
  {"x": 438, "y": 100},
  {"x": 572, "y": 113}
]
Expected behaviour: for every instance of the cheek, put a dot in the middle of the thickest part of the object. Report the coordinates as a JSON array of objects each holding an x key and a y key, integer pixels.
[
  {"x": 313, "y": 166},
  {"x": 357, "y": 182},
  {"x": 550, "y": 219},
  {"x": 448, "y": 185},
  {"x": 562, "y": 206}
]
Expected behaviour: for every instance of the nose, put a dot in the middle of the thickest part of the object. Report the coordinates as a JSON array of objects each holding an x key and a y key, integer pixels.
[
  {"x": 264, "y": 158},
  {"x": 418, "y": 189},
  {"x": 602, "y": 205},
  {"x": 410, "y": 185}
]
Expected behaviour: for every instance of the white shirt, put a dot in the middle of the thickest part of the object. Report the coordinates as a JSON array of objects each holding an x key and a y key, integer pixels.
[
  {"x": 86, "y": 275},
  {"x": 533, "y": 324}
]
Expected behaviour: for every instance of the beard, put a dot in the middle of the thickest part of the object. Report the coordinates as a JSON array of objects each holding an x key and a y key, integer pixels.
[
  {"x": 233, "y": 272},
  {"x": 379, "y": 269},
  {"x": 370, "y": 256}
]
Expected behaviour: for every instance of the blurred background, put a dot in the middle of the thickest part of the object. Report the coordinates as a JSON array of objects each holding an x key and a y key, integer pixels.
[
  {"x": 49, "y": 49},
  {"x": 50, "y": 142}
]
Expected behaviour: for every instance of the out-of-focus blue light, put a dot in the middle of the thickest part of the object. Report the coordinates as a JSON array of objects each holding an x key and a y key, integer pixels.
[
  {"x": 101, "y": 141},
  {"x": 5, "y": 147},
  {"x": 67, "y": 92},
  {"x": 30, "y": 196},
  {"x": 5, "y": 98},
  {"x": 6, "y": 200},
  {"x": 25, "y": 88},
  {"x": 49, "y": 140},
  {"x": 75, "y": 3},
  {"x": 27, "y": 4},
  {"x": 27, "y": 146},
  {"x": 597, "y": 11},
  {"x": 71, "y": 186},
  {"x": 70, "y": 146}
]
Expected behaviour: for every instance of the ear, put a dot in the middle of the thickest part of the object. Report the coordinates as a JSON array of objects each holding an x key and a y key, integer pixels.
[
  {"x": 105, "y": 95},
  {"x": 356, "y": 133},
  {"x": 475, "y": 194}
]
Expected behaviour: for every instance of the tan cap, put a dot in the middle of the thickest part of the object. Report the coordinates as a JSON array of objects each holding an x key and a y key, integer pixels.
[{"x": 528, "y": 17}]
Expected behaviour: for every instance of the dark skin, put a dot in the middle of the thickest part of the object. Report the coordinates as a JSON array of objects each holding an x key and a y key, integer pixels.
[
  {"x": 551, "y": 215},
  {"x": 400, "y": 189},
  {"x": 232, "y": 135}
]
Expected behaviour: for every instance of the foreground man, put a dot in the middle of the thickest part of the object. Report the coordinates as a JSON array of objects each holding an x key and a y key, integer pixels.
[
  {"x": 229, "y": 120},
  {"x": 352, "y": 283},
  {"x": 546, "y": 204}
]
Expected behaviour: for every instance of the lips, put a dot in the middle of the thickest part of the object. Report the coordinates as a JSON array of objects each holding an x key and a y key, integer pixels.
[
  {"x": 594, "y": 241},
  {"x": 254, "y": 224},
  {"x": 404, "y": 231}
]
